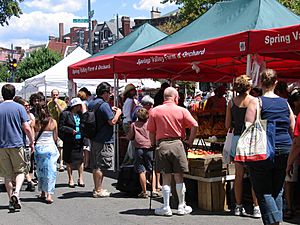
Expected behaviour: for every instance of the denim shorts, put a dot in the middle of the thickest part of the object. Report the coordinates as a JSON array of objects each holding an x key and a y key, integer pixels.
[
  {"x": 234, "y": 142},
  {"x": 143, "y": 160},
  {"x": 267, "y": 179}
]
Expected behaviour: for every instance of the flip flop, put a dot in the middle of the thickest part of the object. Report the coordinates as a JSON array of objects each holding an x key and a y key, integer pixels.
[
  {"x": 81, "y": 185},
  {"x": 41, "y": 197},
  {"x": 49, "y": 201}
]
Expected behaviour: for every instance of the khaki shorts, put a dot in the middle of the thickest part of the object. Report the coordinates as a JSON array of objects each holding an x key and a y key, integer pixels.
[
  {"x": 102, "y": 156},
  {"x": 170, "y": 157},
  {"x": 12, "y": 162}
]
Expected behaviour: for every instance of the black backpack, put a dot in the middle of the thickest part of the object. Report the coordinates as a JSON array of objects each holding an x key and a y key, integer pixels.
[{"x": 89, "y": 122}]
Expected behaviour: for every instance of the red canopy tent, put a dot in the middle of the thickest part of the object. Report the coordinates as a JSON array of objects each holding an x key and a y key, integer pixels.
[
  {"x": 279, "y": 48},
  {"x": 224, "y": 57},
  {"x": 176, "y": 61},
  {"x": 214, "y": 60}
]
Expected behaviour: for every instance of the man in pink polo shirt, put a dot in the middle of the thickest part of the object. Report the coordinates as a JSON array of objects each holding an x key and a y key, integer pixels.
[{"x": 167, "y": 124}]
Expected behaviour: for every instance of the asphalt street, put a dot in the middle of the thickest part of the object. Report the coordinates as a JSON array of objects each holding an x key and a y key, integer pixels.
[{"x": 77, "y": 206}]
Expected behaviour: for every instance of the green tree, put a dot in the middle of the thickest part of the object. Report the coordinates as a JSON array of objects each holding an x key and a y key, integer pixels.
[
  {"x": 192, "y": 9},
  {"x": 9, "y": 8},
  {"x": 4, "y": 72},
  {"x": 293, "y": 5},
  {"x": 38, "y": 61}
]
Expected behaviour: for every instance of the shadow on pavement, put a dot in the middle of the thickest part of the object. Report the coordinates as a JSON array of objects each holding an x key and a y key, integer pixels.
[
  {"x": 138, "y": 212},
  {"x": 294, "y": 220},
  {"x": 61, "y": 185},
  {"x": 2, "y": 207},
  {"x": 122, "y": 195},
  {"x": 76, "y": 194},
  {"x": 36, "y": 199}
]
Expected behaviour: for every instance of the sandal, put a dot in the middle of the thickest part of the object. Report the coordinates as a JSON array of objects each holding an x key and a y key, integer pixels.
[
  {"x": 42, "y": 196},
  {"x": 155, "y": 194},
  {"x": 80, "y": 184},
  {"x": 49, "y": 201},
  {"x": 143, "y": 195}
]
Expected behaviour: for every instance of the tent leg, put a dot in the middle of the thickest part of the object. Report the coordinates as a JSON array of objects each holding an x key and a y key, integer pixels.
[
  {"x": 116, "y": 128},
  {"x": 248, "y": 70},
  {"x": 72, "y": 88},
  {"x": 45, "y": 90}
]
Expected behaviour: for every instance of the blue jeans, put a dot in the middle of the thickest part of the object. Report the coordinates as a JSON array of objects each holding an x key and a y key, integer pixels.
[{"x": 267, "y": 179}]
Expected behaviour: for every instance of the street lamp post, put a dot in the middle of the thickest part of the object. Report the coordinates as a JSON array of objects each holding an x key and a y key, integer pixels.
[{"x": 90, "y": 15}]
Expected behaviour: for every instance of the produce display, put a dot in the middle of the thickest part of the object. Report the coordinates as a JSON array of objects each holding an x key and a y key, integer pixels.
[
  {"x": 200, "y": 153},
  {"x": 211, "y": 123}
]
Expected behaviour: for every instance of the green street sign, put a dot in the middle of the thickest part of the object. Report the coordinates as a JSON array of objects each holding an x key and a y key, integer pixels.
[{"x": 80, "y": 20}]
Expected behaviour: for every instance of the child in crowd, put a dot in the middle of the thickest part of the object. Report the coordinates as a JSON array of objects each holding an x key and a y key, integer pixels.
[{"x": 143, "y": 151}]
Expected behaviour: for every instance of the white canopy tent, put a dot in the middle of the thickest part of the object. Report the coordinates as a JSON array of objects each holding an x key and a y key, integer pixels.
[{"x": 56, "y": 77}]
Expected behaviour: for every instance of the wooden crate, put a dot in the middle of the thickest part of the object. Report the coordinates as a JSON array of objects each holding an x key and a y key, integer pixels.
[
  {"x": 208, "y": 166},
  {"x": 212, "y": 196},
  {"x": 201, "y": 172}
]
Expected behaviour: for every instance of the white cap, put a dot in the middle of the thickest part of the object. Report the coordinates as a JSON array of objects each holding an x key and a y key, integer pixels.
[
  {"x": 198, "y": 92},
  {"x": 75, "y": 101},
  {"x": 147, "y": 100}
]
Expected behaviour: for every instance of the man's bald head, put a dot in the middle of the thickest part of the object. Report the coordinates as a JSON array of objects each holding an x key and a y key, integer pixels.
[{"x": 171, "y": 94}]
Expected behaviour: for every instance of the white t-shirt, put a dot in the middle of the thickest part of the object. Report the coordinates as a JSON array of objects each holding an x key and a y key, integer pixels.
[{"x": 127, "y": 109}]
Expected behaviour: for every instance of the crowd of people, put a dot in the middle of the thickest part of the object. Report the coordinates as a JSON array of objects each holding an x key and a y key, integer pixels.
[{"x": 156, "y": 129}]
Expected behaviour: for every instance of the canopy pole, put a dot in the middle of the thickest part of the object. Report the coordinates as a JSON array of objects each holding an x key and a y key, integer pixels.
[
  {"x": 45, "y": 88},
  {"x": 248, "y": 70},
  {"x": 24, "y": 90},
  {"x": 116, "y": 127},
  {"x": 71, "y": 88}
]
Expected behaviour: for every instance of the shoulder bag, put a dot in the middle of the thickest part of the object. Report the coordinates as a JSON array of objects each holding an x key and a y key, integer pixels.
[{"x": 255, "y": 144}]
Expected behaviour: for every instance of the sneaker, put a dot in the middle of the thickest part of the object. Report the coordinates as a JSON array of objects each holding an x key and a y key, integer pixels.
[
  {"x": 239, "y": 211},
  {"x": 30, "y": 187},
  {"x": 15, "y": 201},
  {"x": 101, "y": 194},
  {"x": 11, "y": 206},
  {"x": 143, "y": 195},
  {"x": 183, "y": 210},
  {"x": 163, "y": 211},
  {"x": 256, "y": 212}
]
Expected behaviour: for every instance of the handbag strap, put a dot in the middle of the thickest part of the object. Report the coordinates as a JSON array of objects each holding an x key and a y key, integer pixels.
[{"x": 258, "y": 109}]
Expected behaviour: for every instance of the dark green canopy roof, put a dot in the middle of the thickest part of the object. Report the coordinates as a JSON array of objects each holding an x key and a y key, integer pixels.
[
  {"x": 143, "y": 36},
  {"x": 230, "y": 17}
]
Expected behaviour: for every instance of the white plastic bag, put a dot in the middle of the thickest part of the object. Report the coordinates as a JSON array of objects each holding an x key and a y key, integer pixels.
[{"x": 227, "y": 147}]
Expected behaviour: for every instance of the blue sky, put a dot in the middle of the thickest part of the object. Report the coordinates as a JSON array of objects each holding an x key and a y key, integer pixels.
[{"x": 40, "y": 18}]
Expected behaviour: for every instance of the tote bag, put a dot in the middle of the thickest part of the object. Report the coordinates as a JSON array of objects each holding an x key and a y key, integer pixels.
[
  {"x": 227, "y": 147},
  {"x": 254, "y": 143}
]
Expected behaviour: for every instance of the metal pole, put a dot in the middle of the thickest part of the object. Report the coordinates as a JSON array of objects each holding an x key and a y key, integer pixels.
[
  {"x": 118, "y": 27},
  {"x": 116, "y": 127},
  {"x": 90, "y": 27},
  {"x": 248, "y": 71},
  {"x": 12, "y": 75}
]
